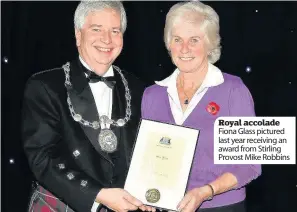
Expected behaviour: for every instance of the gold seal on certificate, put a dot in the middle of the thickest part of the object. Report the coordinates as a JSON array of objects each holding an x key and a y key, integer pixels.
[
  {"x": 152, "y": 195},
  {"x": 161, "y": 163}
]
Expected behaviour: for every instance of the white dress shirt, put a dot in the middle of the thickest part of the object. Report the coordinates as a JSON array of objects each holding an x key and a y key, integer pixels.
[
  {"x": 213, "y": 77},
  {"x": 103, "y": 99}
]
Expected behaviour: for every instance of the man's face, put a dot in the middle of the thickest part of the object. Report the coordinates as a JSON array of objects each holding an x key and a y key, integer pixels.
[{"x": 100, "y": 41}]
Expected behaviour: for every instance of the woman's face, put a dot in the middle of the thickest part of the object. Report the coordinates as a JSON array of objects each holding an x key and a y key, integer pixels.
[{"x": 188, "y": 47}]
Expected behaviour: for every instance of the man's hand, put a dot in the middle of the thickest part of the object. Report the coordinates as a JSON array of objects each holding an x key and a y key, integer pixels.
[
  {"x": 147, "y": 208},
  {"x": 193, "y": 199},
  {"x": 118, "y": 199}
]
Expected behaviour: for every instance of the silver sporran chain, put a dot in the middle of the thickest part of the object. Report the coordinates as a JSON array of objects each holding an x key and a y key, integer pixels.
[{"x": 107, "y": 139}]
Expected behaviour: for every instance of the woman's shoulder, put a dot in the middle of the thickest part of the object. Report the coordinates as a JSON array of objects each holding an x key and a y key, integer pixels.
[
  {"x": 235, "y": 85},
  {"x": 154, "y": 89},
  {"x": 231, "y": 80}
]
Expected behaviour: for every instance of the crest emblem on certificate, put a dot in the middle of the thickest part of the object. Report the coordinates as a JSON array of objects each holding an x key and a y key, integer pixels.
[
  {"x": 165, "y": 141},
  {"x": 152, "y": 195}
]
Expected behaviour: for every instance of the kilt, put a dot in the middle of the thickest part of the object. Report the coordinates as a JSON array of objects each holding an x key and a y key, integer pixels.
[{"x": 44, "y": 201}]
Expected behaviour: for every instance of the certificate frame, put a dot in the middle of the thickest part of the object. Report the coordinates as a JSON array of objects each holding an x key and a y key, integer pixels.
[{"x": 161, "y": 162}]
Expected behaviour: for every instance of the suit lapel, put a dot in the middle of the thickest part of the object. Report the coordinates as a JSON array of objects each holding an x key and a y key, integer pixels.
[
  {"x": 119, "y": 111},
  {"x": 84, "y": 104},
  {"x": 118, "y": 105}
]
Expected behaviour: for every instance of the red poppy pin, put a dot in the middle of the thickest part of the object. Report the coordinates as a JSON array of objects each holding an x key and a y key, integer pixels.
[{"x": 213, "y": 108}]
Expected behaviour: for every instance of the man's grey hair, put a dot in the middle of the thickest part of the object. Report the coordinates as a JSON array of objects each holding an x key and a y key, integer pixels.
[
  {"x": 209, "y": 24},
  {"x": 85, "y": 7}
]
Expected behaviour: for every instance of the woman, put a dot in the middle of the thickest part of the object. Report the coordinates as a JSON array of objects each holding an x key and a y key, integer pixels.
[{"x": 194, "y": 96}]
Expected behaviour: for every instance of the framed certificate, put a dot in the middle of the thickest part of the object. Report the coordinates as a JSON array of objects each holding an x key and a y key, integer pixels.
[{"x": 161, "y": 163}]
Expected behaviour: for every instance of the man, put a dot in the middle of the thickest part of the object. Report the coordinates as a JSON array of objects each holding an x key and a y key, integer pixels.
[{"x": 78, "y": 128}]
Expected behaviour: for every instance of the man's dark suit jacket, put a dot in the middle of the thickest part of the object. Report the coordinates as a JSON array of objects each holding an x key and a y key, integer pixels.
[{"x": 51, "y": 136}]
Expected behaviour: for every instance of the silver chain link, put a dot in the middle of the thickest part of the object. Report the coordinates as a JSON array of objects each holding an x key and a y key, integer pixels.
[{"x": 96, "y": 124}]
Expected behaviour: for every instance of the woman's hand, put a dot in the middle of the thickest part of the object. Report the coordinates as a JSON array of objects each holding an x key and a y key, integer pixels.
[{"x": 193, "y": 199}]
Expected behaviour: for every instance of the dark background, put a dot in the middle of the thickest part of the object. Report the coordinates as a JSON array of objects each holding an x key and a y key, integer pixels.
[{"x": 262, "y": 35}]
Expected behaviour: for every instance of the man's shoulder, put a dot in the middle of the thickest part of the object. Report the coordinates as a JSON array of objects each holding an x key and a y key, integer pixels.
[
  {"x": 49, "y": 75},
  {"x": 133, "y": 80},
  {"x": 53, "y": 78}
]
